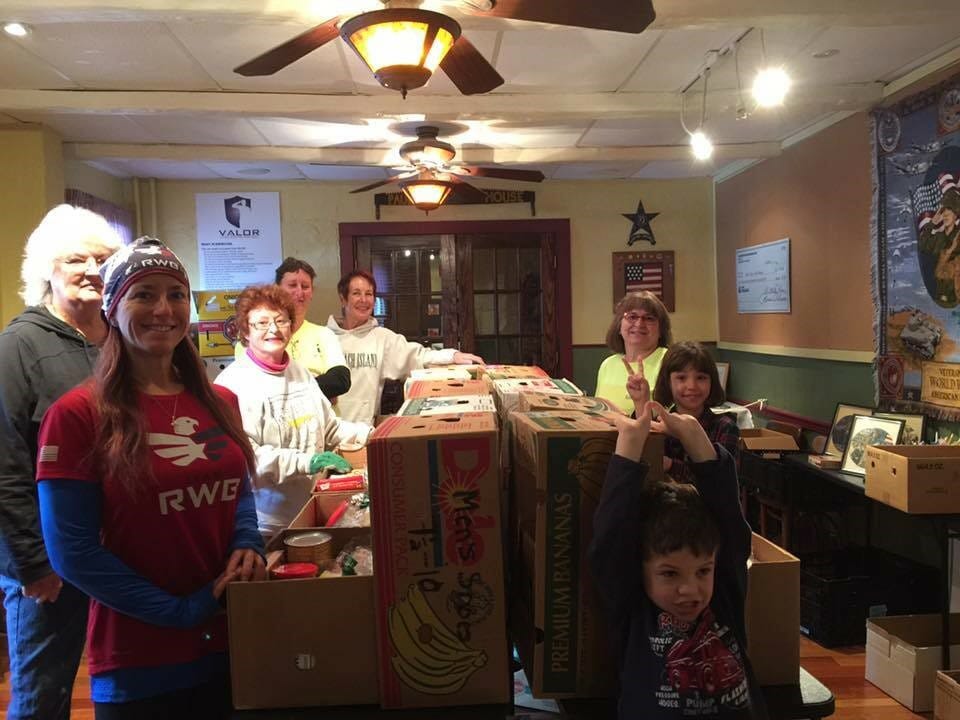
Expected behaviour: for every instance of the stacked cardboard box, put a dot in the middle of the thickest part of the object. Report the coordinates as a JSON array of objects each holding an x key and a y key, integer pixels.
[
  {"x": 503, "y": 372},
  {"x": 560, "y": 462},
  {"x": 446, "y": 388},
  {"x": 434, "y": 405},
  {"x": 507, "y": 391},
  {"x": 440, "y": 601},
  {"x": 534, "y": 401}
]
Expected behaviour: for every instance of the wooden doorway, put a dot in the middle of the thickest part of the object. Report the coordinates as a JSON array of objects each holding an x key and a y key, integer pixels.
[{"x": 503, "y": 287}]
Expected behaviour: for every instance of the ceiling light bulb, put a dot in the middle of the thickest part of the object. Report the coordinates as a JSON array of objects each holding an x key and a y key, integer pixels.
[
  {"x": 406, "y": 253},
  {"x": 770, "y": 87},
  {"x": 701, "y": 145},
  {"x": 16, "y": 29}
]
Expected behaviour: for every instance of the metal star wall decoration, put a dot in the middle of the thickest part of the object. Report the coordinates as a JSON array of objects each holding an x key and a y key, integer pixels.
[{"x": 641, "y": 229}]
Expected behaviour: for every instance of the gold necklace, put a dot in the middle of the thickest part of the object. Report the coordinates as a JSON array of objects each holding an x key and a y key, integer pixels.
[{"x": 173, "y": 416}]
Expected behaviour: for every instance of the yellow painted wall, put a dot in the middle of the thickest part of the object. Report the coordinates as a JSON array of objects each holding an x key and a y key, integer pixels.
[
  {"x": 310, "y": 214},
  {"x": 31, "y": 178},
  {"x": 80, "y": 176}
]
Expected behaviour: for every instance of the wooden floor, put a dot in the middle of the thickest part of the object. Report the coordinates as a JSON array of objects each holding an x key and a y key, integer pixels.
[{"x": 840, "y": 670}]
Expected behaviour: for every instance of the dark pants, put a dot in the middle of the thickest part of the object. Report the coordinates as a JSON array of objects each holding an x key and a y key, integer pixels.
[
  {"x": 210, "y": 701},
  {"x": 46, "y": 642}
]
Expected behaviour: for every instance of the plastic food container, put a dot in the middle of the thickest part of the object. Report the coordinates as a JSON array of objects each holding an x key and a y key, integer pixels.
[
  {"x": 294, "y": 571},
  {"x": 310, "y": 547}
]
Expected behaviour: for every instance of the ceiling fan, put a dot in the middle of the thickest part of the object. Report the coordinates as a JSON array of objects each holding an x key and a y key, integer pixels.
[
  {"x": 429, "y": 178},
  {"x": 403, "y": 44}
]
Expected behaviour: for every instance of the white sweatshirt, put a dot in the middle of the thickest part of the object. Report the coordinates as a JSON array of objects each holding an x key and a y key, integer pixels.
[
  {"x": 375, "y": 354},
  {"x": 287, "y": 419}
]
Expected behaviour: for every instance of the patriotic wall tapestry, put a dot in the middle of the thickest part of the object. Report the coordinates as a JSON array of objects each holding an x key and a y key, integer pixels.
[
  {"x": 916, "y": 243},
  {"x": 652, "y": 270}
]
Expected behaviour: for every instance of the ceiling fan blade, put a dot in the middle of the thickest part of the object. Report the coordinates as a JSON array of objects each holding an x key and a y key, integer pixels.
[
  {"x": 632, "y": 16},
  {"x": 381, "y": 183},
  {"x": 292, "y": 50},
  {"x": 502, "y": 173},
  {"x": 469, "y": 70},
  {"x": 466, "y": 190}
]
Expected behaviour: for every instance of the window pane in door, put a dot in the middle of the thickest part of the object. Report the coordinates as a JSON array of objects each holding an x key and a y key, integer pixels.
[
  {"x": 406, "y": 275},
  {"x": 509, "y": 350},
  {"x": 382, "y": 269},
  {"x": 408, "y": 316},
  {"x": 433, "y": 258},
  {"x": 484, "y": 315},
  {"x": 506, "y": 268},
  {"x": 530, "y": 350},
  {"x": 507, "y": 315},
  {"x": 487, "y": 349},
  {"x": 483, "y": 269},
  {"x": 529, "y": 268}
]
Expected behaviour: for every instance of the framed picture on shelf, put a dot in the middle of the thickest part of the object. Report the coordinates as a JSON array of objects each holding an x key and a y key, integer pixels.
[
  {"x": 840, "y": 428},
  {"x": 914, "y": 426},
  {"x": 867, "y": 430},
  {"x": 723, "y": 371}
]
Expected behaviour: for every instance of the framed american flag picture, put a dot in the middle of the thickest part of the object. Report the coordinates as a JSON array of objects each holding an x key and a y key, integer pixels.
[{"x": 651, "y": 270}]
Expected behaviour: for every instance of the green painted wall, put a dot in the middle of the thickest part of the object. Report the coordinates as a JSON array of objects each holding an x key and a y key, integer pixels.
[{"x": 586, "y": 362}]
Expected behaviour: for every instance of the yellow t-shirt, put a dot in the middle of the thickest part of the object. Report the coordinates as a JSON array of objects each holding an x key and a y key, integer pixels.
[{"x": 612, "y": 378}]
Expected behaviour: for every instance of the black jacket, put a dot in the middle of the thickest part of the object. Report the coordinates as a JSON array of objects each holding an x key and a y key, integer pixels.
[{"x": 41, "y": 357}]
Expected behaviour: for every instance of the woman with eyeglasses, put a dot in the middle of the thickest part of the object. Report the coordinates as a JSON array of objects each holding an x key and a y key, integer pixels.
[
  {"x": 46, "y": 350},
  {"x": 285, "y": 414},
  {"x": 639, "y": 335}
]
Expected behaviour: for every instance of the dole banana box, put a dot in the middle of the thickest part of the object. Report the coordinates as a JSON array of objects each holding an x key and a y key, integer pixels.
[
  {"x": 534, "y": 401},
  {"x": 446, "y": 388},
  {"x": 559, "y": 465},
  {"x": 425, "y": 406},
  {"x": 440, "y": 601},
  {"x": 504, "y": 372}
]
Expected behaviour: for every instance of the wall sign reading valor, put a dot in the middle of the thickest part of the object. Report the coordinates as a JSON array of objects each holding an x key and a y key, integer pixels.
[
  {"x": 491, "y": 197},
  {"x": 763, "y": 278}
]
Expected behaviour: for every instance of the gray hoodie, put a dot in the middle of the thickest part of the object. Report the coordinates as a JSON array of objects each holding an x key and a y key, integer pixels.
[{"x": 41, "y": 357}]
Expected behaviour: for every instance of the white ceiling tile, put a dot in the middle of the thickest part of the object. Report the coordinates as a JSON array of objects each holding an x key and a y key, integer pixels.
[
  {"x": 117, "y": 168},
  {"x": 185, "y": 129},
  {"x": 634, "y": 132},
  {"x": 22, "y": 69},
  {"x": 673, "y": 169},
  {"x": 676, "y": 58},
  {"x": 596, "y": 171},
  {"x": 220, "y": 47},
  {"x": 771, "y": 125},
  {"x": 570, "y": 60},
  {"x": 92, "y": 127},
  {"x": 342, "y": 172},
  {"x": 236, "y": 170},
  {"x": 495, "y": 134},
  {"x": 170, "y": 170},
  {"x": 119, "y": 56},
  {"x": 292, "y": 132}
]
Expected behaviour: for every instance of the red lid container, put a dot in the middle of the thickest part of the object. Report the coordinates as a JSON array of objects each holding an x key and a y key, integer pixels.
[{"x": 294, "y": 571}]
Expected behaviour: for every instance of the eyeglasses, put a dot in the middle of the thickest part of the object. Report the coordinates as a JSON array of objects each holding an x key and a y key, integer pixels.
[
  {"x": 279, "y": 323},
  {"x": 633, "y": 318}
]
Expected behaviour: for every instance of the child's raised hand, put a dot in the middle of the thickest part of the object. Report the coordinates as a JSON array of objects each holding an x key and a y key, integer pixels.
[
  {"x": 687, "y": 429},
  {"x": 637, "y": 386},
  {"x": 632, "y": 434}
]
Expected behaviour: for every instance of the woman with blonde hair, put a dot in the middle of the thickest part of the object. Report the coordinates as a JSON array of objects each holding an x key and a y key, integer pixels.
[
  {"x": 639, "y": 336},
  {"x": 44, "y": 351},
  {"x": 144, "y": 485}
]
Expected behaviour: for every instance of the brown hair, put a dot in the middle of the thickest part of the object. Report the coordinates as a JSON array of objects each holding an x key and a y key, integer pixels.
[
  {"x": 643, "y": 300},
  {"x": 343, "y": 287},
  {"x": 293, "y": 265},
  {"x": 271, "y": 296},
  {"x": 122, "y": 432},
  {"x": 679, "y": 357},
  {"x": 675, "y": 517}
]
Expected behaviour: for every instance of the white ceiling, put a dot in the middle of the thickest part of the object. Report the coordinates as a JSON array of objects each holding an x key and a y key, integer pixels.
[{"x": 146, "y": 88}]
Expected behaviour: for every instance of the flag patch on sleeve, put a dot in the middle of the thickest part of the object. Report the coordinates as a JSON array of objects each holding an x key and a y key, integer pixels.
[{"x": 48, "y": 453}]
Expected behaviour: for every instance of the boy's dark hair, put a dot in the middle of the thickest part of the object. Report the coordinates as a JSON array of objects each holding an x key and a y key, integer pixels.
[
  {"x": 680, "y": 356},
  {"x": 292, "y": 265},
  {"x": 675, "y": 517},
  {"x": 643, "y": 300},
  {"x": 343, "y": 287}
]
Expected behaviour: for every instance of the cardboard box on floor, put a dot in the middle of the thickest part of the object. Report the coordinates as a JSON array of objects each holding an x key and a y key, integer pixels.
[
  {"x": 922, "y": 479},
  {"x": 446, "y": 388},
  {"x": 773, "y": 614},
  {"x": 300, "y": 643},
  {"x": 534, "y": 401},
  {"x": 764, "y": 439},
  {"x": 560, "y": 462},
  {"x": 904, "y": 654},
  {"x": 946, "y": 695},
  {"x": 441, "y": 616}
]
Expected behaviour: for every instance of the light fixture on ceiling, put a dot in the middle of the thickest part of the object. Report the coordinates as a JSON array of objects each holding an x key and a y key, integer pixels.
[
  {"x": 426, "y": 192},
  {"x": 427, "y": 149},
  {"x": 401, "y": 47},
  {"x": 771, "y": 84},
  {"x": 16, "y": 29},
  {"x": 700, "y": 143}
]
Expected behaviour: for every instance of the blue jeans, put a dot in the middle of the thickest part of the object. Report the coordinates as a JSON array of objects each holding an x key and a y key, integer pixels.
[{"x": 46, "y": 642}]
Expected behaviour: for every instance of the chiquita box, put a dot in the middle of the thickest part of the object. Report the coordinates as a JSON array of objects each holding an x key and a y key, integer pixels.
[
  {"x": 440, "y": 602},
  {"x": 445, "y": 388},
  {"x": 446, "y": 405},
  {"x": 559, "y": 466}
]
